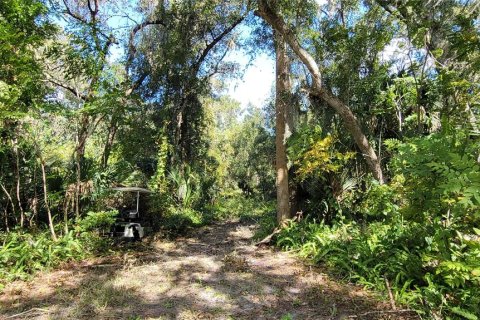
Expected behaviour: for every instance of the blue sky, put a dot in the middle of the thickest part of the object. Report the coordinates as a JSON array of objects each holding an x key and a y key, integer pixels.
[{"x": 255, "y": 86}]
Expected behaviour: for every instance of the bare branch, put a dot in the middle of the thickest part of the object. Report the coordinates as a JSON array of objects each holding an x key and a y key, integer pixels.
[
  {"x": 72, "y": 14},
  {"x": 90, "y": 7},
  {"x": 68, "y": 88},
  {"x": 131, "y": 46},
  {"x": 215, "y": 70},
  {"x": 136, "y": 84},
  {"x": 211, "y": 45}
]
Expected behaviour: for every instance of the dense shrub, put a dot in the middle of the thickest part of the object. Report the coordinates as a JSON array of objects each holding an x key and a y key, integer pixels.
[
  {"x": 421, "y": 232},
  {"x": 431, "y": 268},
  {"x": 23, "y": 254}
]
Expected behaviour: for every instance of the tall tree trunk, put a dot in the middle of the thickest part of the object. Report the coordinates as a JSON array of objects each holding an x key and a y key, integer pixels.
[
  {"x": 82, "y": 136},
  {"x": 34, "y": 203},
  {"x": 349, "y": 120},
  {"x": 5, "y": 216},
  {"x": 282, "y": 93},
  {"x": 17, "y": 178},
  {"x": 45, "y": 197},
  {"x": 112, "y": 131}
]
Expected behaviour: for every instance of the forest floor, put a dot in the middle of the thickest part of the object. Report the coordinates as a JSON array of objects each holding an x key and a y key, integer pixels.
[{"x": 215, "y": 272}]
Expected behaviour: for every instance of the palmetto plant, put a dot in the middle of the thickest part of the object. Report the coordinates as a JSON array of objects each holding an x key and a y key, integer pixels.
[{"x": 184, "y": 187}]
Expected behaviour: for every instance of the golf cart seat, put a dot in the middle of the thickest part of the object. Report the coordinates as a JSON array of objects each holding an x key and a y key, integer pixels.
[
  {"x": 128, "y": 230},
  {"x": 131, "y": 214}
]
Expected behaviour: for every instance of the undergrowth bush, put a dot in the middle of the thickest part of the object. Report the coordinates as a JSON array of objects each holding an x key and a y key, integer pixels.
[
  {"x": 22, "y": 254},
  {"x": 176, "y": 221},
  {"x": 252, "y": 209},
  {"x": 421, "y": 232},
  {"x": 441, "y": 281},
  {"x": 176, "y": 218}
]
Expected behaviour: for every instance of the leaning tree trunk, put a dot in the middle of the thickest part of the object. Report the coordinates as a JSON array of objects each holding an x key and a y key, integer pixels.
[
  {"x": 282, "y": 92},
  {"x": 112, "y": 131},
  {"x": 6, "y": 206},
  {"x": 349, "y": 120}
]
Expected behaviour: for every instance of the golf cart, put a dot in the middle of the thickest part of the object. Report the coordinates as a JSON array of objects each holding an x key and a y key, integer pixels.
[{"x": 128, "y": 224}]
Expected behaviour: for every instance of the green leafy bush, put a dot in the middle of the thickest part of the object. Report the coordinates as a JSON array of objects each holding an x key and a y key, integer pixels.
[
  {"x": 25, "y": 253},
  {"x": 236, "y": 205},
  {"x": 96, "y": 221},
  {"x": 422, "y": 273},
  {"x": 440, "y": 178},
  {"x": 422, "y": 234},
  {"x": 178, "y": 220}
]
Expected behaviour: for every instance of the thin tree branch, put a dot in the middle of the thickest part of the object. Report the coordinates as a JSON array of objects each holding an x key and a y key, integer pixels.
[
  {"x": 131, "y": 46},
  {"x": 90, "y": 7},
  {"x": 215, "y": 70},
  {"x": 73, "y": 15},
  {"x": 68, "y": 88},
  {"x": 211, "y": 45},
  {"x": 136, "y": 84},
  {"x": 370, "y": 313}
]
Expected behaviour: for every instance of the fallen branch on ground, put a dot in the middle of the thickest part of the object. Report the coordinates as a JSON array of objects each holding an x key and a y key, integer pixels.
[
  {"x": 27, "y": 312},
  {"x": 382, "y": 312},
  {"x": 268, "y": 239}
]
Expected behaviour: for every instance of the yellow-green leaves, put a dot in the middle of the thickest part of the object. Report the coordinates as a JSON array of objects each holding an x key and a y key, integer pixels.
[
  {"x": 321, "y": 157},
  {"x": 313, "y": 154}
]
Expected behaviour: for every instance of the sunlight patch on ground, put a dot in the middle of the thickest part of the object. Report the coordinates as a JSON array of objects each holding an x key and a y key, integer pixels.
[{"x": 214, "y": 274}]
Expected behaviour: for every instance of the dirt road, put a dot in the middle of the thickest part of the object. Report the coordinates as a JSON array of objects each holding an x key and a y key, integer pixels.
[{"x": 214, "y": 273}]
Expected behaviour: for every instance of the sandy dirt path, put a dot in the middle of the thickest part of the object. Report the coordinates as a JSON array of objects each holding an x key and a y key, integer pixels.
[{"x": 214, "y": 273}]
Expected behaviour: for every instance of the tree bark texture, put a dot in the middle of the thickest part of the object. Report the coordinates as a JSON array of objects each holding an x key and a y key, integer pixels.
[
  {"x": 282, "y": 93},
  {"x": 349, "y": 120}
]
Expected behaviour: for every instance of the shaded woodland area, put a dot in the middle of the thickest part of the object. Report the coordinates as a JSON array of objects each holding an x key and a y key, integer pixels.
[{"x": 365, "y": 159}]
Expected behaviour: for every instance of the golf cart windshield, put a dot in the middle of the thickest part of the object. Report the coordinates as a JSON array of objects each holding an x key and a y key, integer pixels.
[{"x": 133, "y": 213}]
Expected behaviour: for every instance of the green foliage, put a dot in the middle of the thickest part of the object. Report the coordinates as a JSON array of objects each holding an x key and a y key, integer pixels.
[
  {"x": 23, "y": 28},
  {"x": 243, "y": 148},
  {"x": 440, "y": 178},
  {"x": 314, "y": 154},
  {"x": 410, "y": 255},
  {"x": 179, "y": 204},
  {"x": 159, "y": 181},
  {"x": 235, "y": 205},
  {"x": 23, "y": 254},
  {"x": 184, "y": 187},
  {"x": 420, "y": 232},
  {"x": 96, "y": 221},
  {"x": 380, "y": 201},
  {"x": 205, "y": 158},
  {"x": 177, "y": 221}
]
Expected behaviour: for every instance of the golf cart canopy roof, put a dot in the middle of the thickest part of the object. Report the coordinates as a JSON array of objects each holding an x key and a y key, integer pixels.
[{"x": 132, "y": 189}]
